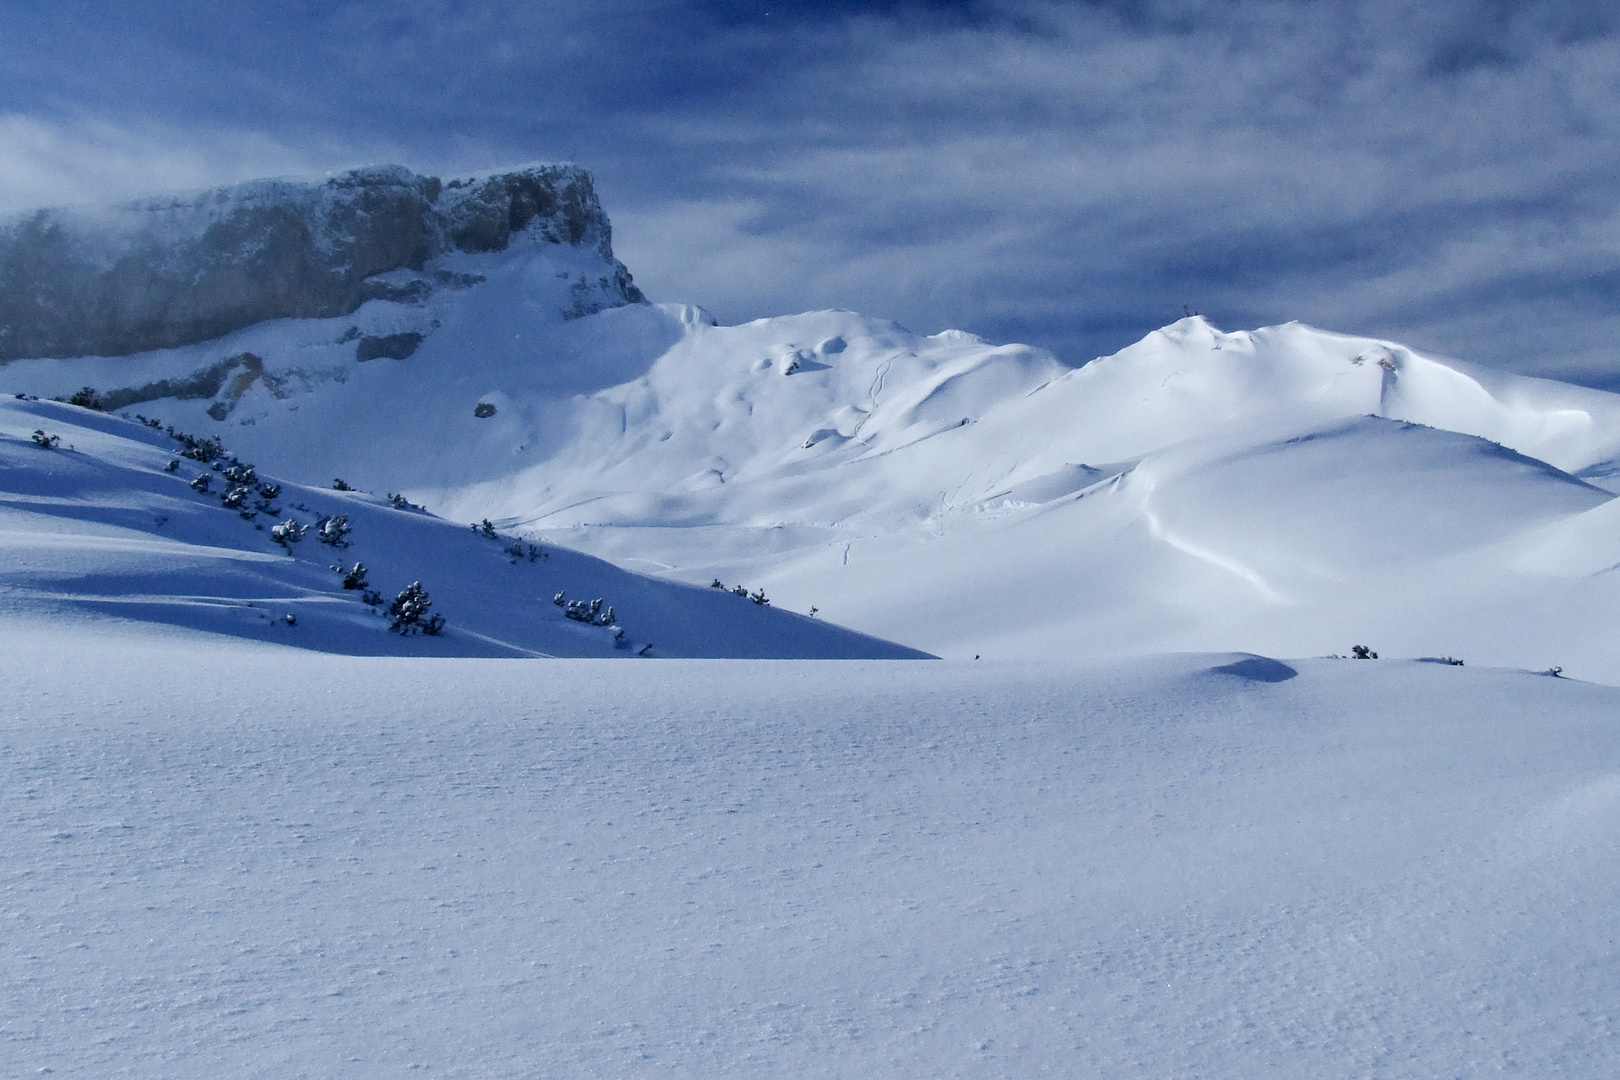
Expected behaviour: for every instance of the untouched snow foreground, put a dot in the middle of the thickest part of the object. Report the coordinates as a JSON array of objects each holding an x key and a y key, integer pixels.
[{"x": 256, "y": 862}]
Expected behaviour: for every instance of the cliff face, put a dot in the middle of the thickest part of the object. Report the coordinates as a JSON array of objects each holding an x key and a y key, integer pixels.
[{"x": 160, "y": 273}]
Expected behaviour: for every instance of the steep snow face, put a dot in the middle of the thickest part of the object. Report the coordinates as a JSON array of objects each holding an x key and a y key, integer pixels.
[
  {"x": 174, "y": 271},
  {"x": 103, "y": 517}
]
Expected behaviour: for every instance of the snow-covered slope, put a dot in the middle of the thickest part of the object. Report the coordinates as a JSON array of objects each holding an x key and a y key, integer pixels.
[
  {"x": 264, "y": 863},
  {"x": 102, "y": 515},
  {"x": 1261, "y": 490}
]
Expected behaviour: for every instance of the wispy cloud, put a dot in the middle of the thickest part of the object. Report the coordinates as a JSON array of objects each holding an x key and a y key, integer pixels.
[{"x": 1068, "y": 173}]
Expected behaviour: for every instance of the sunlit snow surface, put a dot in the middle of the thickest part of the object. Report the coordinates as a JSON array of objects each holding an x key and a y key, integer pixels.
[
  {"x": 1286, "y": 491},
  {"x": 249, "y": 861}
]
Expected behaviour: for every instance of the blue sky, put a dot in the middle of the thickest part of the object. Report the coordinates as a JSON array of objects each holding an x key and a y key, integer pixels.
[{"x": 1068, "y": 174}]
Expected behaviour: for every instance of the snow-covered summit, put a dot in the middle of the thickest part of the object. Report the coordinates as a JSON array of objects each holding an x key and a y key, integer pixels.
[{"x": 172, "y": 271}]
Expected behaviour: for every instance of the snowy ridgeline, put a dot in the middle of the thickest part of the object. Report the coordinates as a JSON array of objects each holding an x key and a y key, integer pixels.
[
  {"x": 172, "y": 271},
  {"x": 1286, "y": 491},
  {"x": 130, "y": 520},
  {"x": 245, "y": 862}
]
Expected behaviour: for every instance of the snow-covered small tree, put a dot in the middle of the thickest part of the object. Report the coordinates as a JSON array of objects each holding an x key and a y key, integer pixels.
[
  {"x": 333, "y": 530},
  {"x": 287, "y": 533},
  {"x": 408, "y": 614},
  {"x": 241, "y": 475},
  {"x": 88, "y": 398}
]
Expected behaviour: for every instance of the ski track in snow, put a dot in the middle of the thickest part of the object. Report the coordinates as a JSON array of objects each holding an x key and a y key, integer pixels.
[{"x": 222, "y": 860}]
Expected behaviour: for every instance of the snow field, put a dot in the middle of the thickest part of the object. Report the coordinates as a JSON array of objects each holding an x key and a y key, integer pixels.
[{"x": 222, "y": 859}]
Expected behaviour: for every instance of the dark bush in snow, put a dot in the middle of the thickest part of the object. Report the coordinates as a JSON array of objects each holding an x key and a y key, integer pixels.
[
  {"x": 174, "y": 463},
  {"x": 715, "y": 584},
  {"x": 408, "y": 614},
  {"x": 202, "y": 481},
  {"x": 485, "y": 529},
  {"x": 355, "y": 578},
  {"x": 47, "y": 441},
  {"x": 1362, "y": 652},
  {"x": 333, "y": 530},
  {"x": 87, "y": 398},
  {"x": 519, "y": 550},
  {"x": 483, "y": 410},
  {"x": 400, "y": 502},
  {"x": 341, "y": 484}
]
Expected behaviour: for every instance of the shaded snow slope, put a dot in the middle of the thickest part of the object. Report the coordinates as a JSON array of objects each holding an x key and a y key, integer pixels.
[
  {"x": 100, "y": 523},
  {"x": 266, "y": 863}
]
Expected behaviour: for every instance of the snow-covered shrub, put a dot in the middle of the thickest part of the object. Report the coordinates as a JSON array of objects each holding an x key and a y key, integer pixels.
[
  {"x": 269, "y": 491},
  {"x": 202, "y": 481},
  {"x": 355, "y": 578},
  {"x": 585, "y": 611},
  {"x": 485, "y": 529},
  {"x": 1362, "y": 652},
  {"x": 241, "y": 475},
  {"x": 174, "y": 463},
  {"x": 484, "y": 410},
  {"x": 233, "y": 498},
  {"x": 715, "y": 584},
  {"x": 47, "y": 441},
  {"x": 204, "y": 450},
  {"x": 408, "y": 614},
  {"x": 333, "y": 530},
  {"x": 288, "y": 532},
  {"x": 739, "y": 590},
  {"x": 340, "y": 484},
  {"x": 400, "y": 502},
  {"x": 758, "y": 597}
]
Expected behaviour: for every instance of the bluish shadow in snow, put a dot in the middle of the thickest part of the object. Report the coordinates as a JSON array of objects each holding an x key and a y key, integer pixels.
[{"x": 1257, "y": 668}]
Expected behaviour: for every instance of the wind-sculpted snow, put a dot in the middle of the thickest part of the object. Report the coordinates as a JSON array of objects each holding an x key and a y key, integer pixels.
[
  {"x": 166, "y": 272},
  {"x": 218, "y": 860},
  {"x": 105, "y": 516},
  {"x": 1276, "y": 490}
]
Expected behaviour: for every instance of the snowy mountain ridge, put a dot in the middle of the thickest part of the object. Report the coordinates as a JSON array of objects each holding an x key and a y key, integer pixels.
[{"x": 1280, "y": 490}]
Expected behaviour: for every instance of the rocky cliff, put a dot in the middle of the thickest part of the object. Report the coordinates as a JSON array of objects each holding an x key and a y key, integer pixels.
[{"x": 164, "y": 272}]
